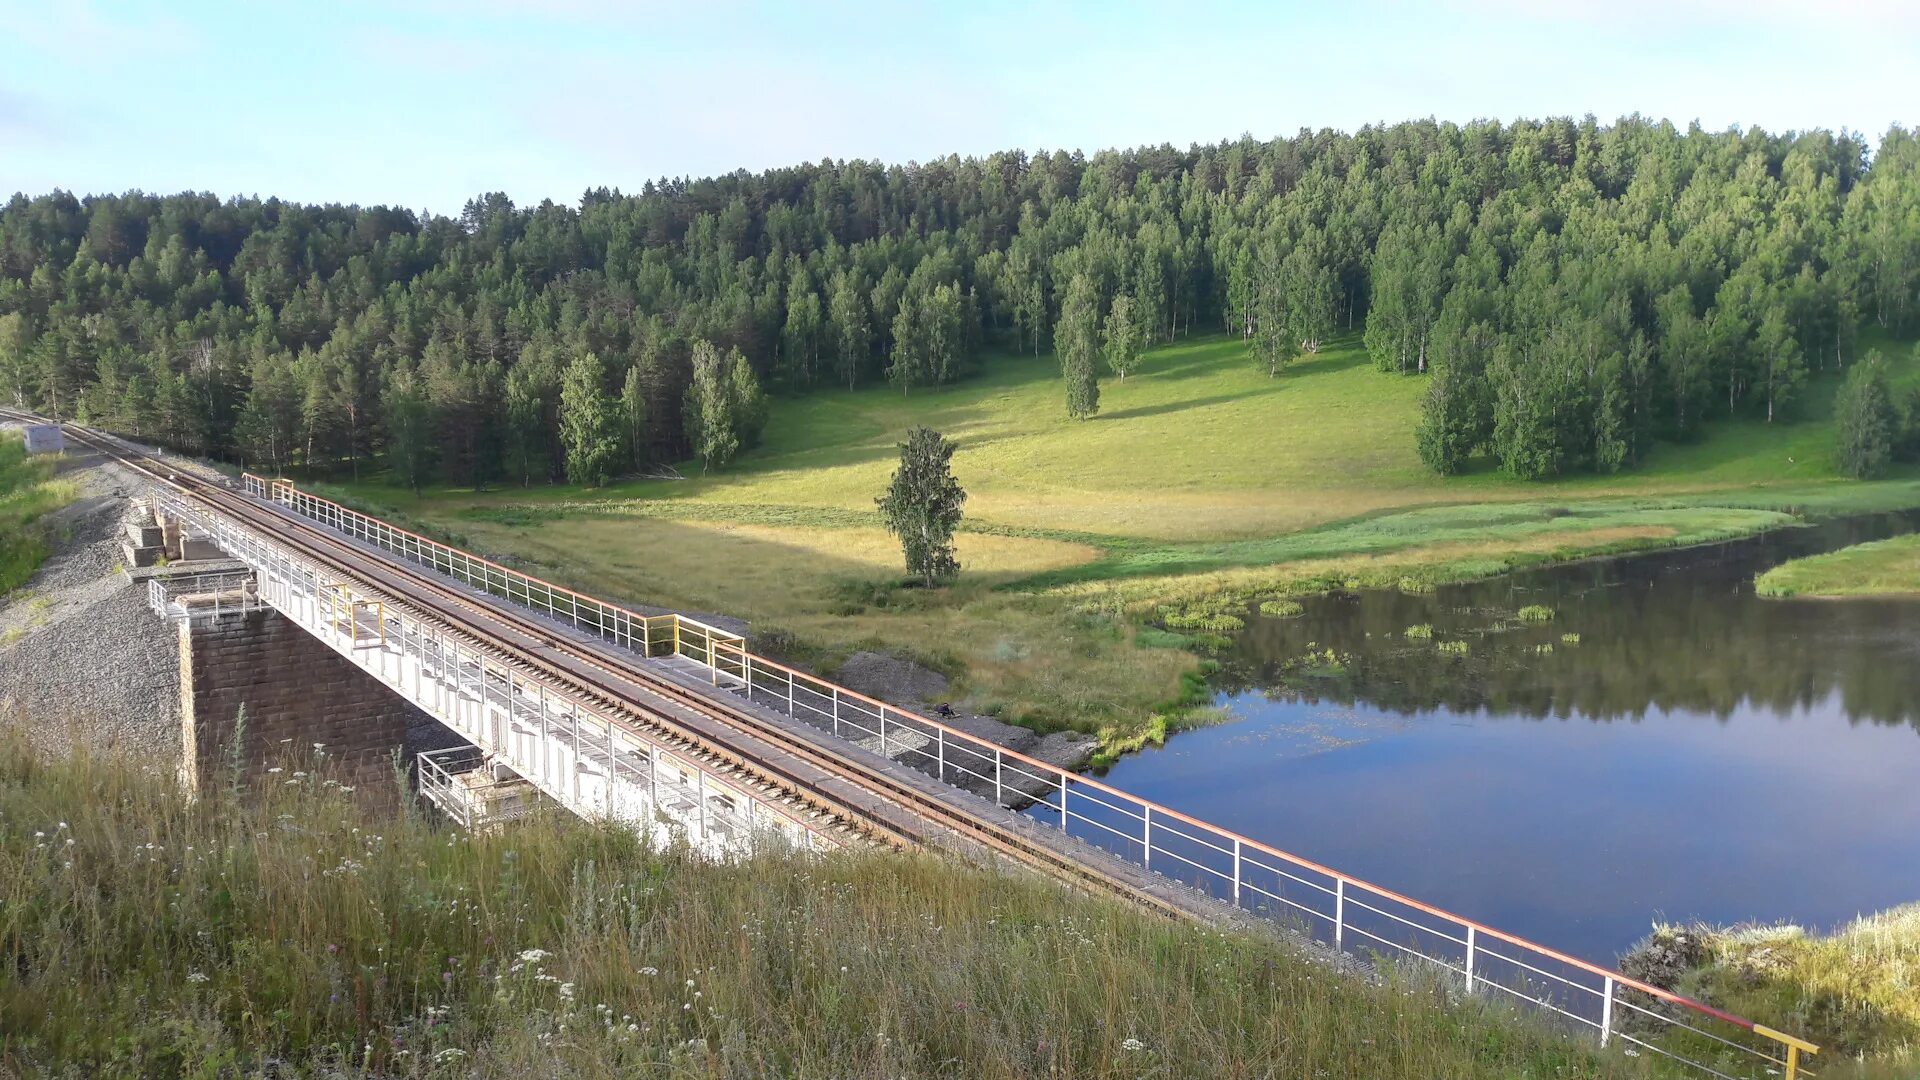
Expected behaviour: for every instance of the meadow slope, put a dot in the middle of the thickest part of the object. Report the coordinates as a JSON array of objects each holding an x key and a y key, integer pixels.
[{"x": 1202, "y": 481}]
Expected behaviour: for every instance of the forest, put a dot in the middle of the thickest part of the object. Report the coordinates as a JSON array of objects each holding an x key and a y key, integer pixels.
[{"x": 1571, "y": 290}]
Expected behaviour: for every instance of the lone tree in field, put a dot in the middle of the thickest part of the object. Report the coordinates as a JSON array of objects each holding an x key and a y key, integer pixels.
[
  {"x": 1076, "y": 338},
  {"x": 922, "y": 505}
]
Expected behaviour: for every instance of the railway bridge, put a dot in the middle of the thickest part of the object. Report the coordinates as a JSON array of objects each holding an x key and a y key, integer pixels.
[{"x": 675, "y": 728}]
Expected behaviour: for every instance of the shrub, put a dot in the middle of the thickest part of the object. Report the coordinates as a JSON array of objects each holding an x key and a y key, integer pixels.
[
  {"x": 1282, "y": 609},
  {"x": 1536, "y": 613},
  {"x": 1420, "y": 630}
]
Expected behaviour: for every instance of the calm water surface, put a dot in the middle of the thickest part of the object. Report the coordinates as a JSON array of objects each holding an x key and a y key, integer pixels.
[{"x": 1699, "y": 753}]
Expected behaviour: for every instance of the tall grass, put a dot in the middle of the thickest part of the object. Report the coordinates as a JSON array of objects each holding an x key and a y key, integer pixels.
[
  {"x": 27, "y": 492},
  {"x": 291, "y": 930},
  {"x": 1855, "y": 991}
]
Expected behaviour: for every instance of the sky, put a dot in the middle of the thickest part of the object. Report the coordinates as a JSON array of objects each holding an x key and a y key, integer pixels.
[{"x": 426, "y": 103}]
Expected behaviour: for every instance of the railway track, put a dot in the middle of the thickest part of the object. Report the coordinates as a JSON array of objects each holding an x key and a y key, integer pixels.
[{"x": 866, "y": 796}]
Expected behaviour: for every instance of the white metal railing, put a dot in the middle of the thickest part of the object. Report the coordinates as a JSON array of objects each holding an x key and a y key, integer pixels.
[
  {"x": 648, "y": 635},
  {"x": 447, "y": 779},
  {"x": 1350, "y": 914},
  {"x": 203, "y": 596},
  {"x": 587, "y": 760}
]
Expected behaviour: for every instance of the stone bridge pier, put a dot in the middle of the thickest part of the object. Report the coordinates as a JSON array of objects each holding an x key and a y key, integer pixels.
[
  {"x": 296, "y": 694},
  {"x": 240, "y": 657}
]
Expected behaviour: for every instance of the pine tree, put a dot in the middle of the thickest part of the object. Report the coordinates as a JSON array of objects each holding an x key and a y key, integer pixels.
[
  {"x": 15, "y": 367},
  {"x": 409, "y": 422},
  {"x": 589, "y": 422},
  {"x": 922, "y": 506},
  {"x": 268, "y": 426}
]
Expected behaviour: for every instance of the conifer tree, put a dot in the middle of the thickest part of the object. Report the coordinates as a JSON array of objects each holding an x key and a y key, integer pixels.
[{"x": 589, "y": 422}]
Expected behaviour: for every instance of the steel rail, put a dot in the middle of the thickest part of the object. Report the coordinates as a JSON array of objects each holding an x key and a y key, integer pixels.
[{"x": 899, "y": 829}]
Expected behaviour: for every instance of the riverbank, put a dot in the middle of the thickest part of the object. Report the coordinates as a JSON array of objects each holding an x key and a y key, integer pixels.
[
  {"x": 293, "y": 932},
  {"x": 1881, "y": 568},
  {"x": 1104, "y": 635},
  {"x": 1202, "y": 484},
  {"x": 1851, "y": 991}
]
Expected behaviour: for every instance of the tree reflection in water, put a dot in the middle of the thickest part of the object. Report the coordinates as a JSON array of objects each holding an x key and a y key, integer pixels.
[{"x": 1679, "y": 630}]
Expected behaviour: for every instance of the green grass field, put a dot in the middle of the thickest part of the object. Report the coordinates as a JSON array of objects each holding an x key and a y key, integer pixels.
[
  {"x": 27, "y": 493},
  {"x": 1881, "y": 568},
  {"x": 1201, "y": 478}
]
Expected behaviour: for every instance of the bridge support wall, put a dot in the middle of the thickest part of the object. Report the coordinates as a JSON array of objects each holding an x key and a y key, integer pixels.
[{"x": 296, "y": 691}]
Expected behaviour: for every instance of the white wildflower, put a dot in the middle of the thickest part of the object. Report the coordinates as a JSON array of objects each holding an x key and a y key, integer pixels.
[
  {"x": 1133, "y": 1044},
  {"x": 197, "y": 976}
]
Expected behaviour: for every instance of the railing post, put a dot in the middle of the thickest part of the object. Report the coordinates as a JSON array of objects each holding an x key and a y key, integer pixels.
[
  {"x": 1063, "y": 800},
  {"x": 573, "y": 714},
  {"x": 940, "y": 752},
  {"x": 1146, "y": 837},
  {"x": 1236, "y": 871},
  {"x": 999, "y": 799},
  {"x": 613, "y": 767},
  {"x": 883, "y": 732},
  {"x": 1339, "y": 911},
  {"x": 792, "y": 709},
  {"x": 700, "y": 788},
  {"x": 1470, "y": 941},
  {"x": 1606, "y": 1015},
  {"x": 836, "y": 710}
]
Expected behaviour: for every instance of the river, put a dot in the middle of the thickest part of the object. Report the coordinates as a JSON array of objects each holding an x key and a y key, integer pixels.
[{"x": 1667, "y": 746}]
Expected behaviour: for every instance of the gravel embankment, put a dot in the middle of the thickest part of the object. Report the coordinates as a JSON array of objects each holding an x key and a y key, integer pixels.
[{"x": 81, "y": 657}]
